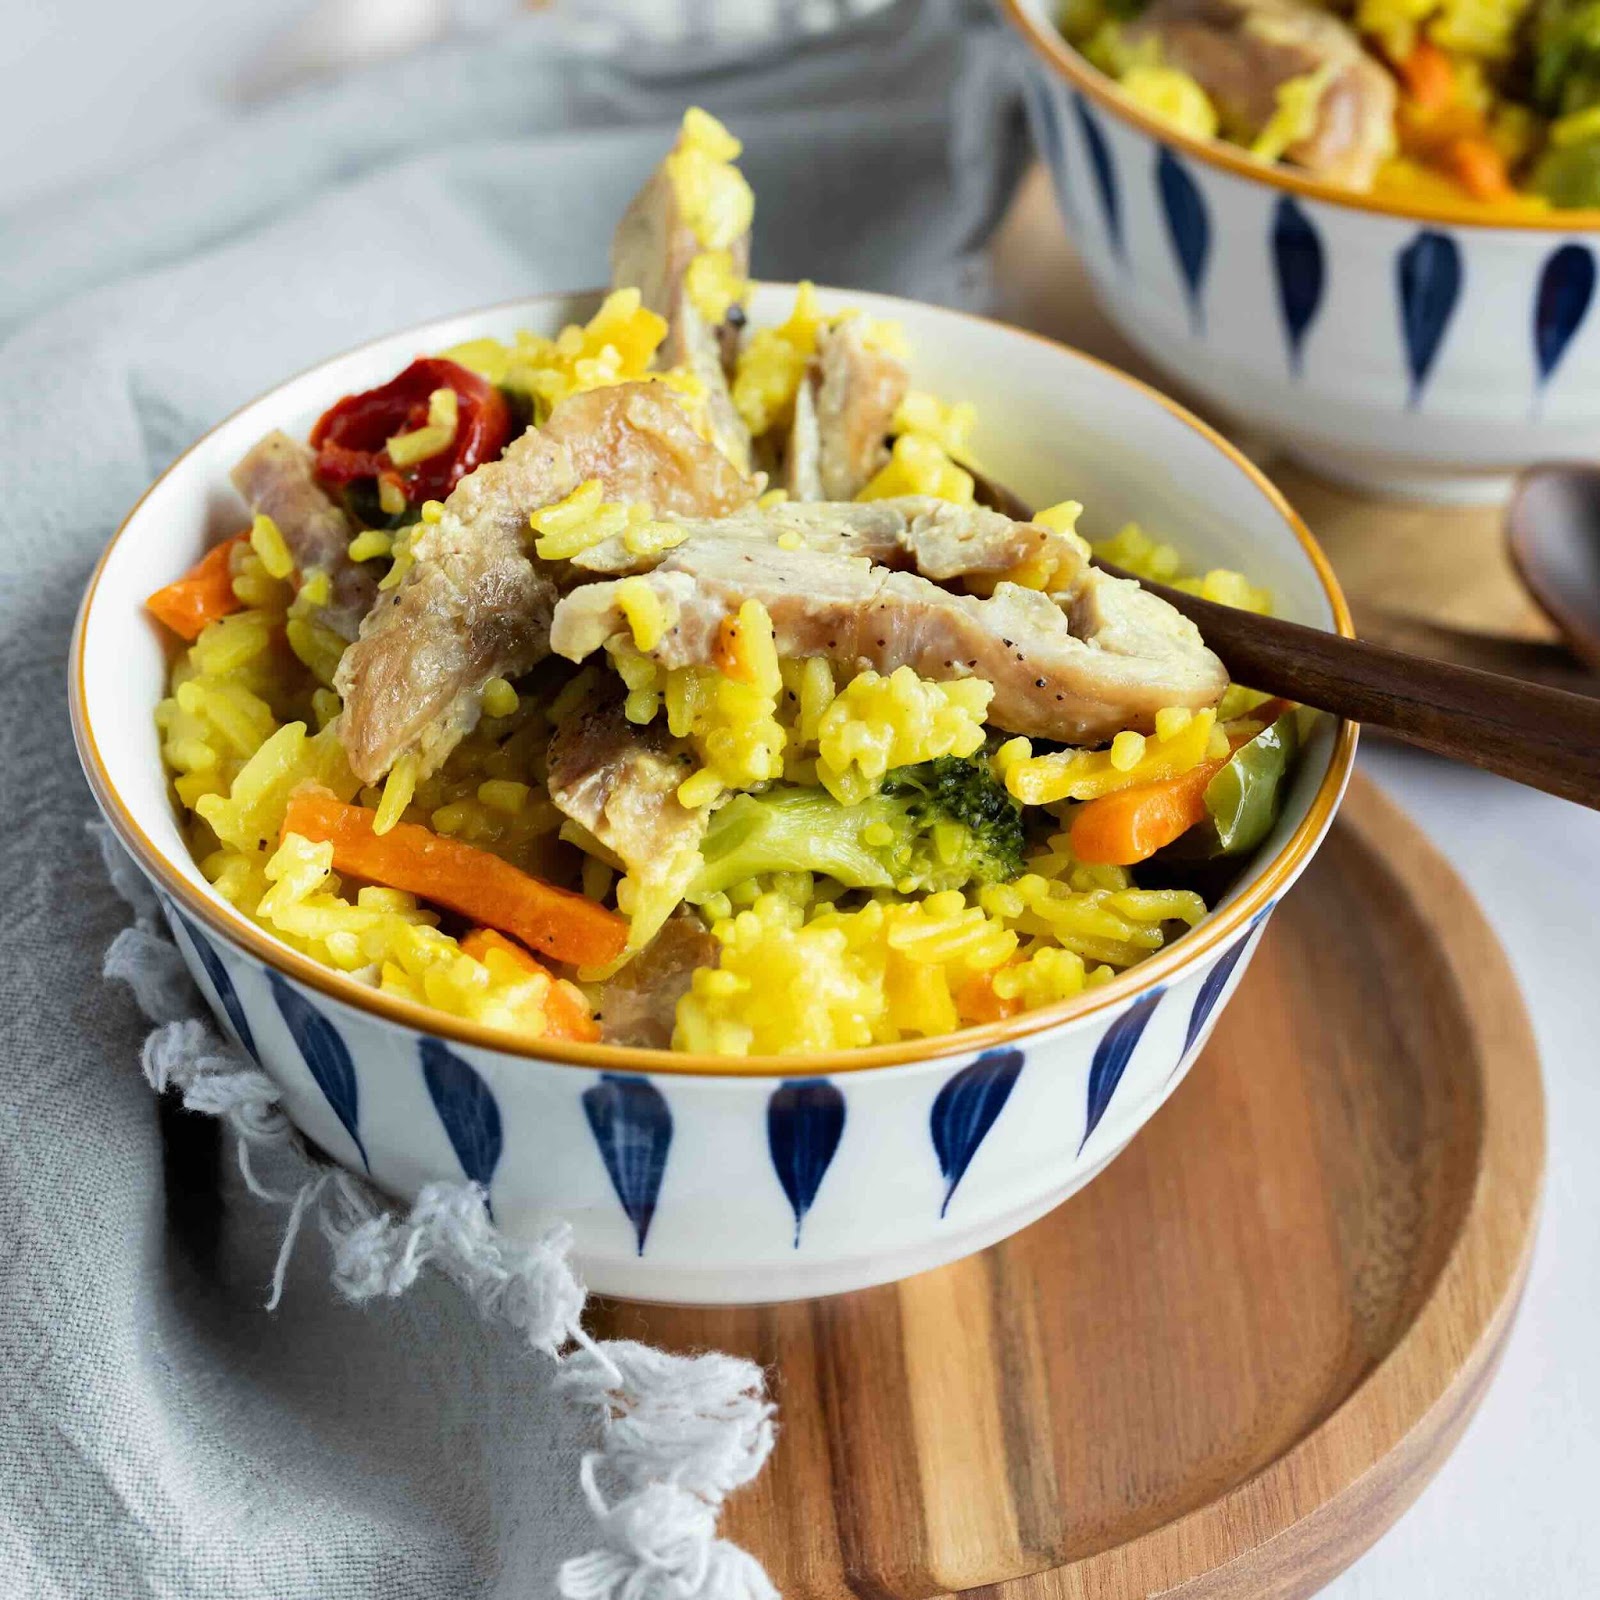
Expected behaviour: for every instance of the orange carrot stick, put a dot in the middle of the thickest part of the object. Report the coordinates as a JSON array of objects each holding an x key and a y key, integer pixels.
[
  {"x": 566, "y": 1012},
  {"x": 1130, "y": 825},
  {"x": 1479, "y": 168},
  {"x": 564, "y": 926},
  {"x": 976, "y": 1000},
  {"x": 201, "y": 595},
  {"x": 1429, "y": 79}
]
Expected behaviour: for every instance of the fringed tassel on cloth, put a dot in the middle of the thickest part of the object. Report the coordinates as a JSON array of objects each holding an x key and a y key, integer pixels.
[{"x": 678, "y": 1434}]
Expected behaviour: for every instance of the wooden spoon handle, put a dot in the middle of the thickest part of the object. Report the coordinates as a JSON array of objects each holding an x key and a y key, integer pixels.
[
  {"x": 1532, "y": 660},
  {"x": 1543, "y": 737},
  {"x": 1546, "y": 738}
]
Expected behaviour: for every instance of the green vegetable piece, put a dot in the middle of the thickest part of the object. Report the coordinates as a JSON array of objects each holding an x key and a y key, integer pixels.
[
  {"x": 1564, "y": 48},
  {"x": 796, "y": 830},
  {"x": 938, "y": 825},
  {"x": 1569, "y": 176},
  {"x": 1243, "y": 799},
  {"x": 963, "y": 791},
  {"x": 362, "y": 507}
]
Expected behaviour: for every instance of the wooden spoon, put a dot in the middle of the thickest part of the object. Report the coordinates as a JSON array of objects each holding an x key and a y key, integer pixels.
[
  {"x": 1545, "y": 738},
  {"x": 1553, "y": 533}
]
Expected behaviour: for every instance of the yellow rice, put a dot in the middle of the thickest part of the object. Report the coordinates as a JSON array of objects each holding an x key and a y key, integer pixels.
[
  {"x": 804, "y": 966},
  {"x": 247, "y": 721}
]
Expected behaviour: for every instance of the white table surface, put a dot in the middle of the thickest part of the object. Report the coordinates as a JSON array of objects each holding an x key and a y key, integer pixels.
[{"x": 1511, "y": 1513}]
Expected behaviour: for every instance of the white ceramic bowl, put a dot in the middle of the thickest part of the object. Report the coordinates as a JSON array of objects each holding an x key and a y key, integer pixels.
[
  {"x": 699, "y": 1178},
  {"x": 1419, "y": 353}
]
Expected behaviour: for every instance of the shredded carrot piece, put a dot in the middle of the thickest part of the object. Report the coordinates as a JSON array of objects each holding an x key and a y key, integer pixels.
[
  {"x": 728, "y": 654},
  {"x": 1132, "y": 824},
  {"x": 562, "y": 925},
  {"x": 566, "y": 1012},
  {"x": 1479, "y": 168},
  {"x": 1127, "y": 826},
  {"x": 201, "y": 595},
  {"x": 976, "y": 1000},
  {"x": 1429, "y": 79}
]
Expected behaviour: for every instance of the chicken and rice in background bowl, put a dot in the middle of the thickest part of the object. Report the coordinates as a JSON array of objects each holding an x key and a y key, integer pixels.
[
  {"x": 632, "y": 748},
  {"x": 1321, "y": 283}
]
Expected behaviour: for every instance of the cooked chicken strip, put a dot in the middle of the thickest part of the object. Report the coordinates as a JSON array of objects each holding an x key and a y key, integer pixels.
[
  {"x": 639, "y": 1006},
  {"x": 915, "y": 532},
  {"x": 858, "y": 391},
  {"x": 278, "y": 479},
  {"x": 802, "y": 458},
  {"x": 1241, "y": 52},
  {"x": 652, "y": 250},
  {"x": 620, "y": 781},
  {"x": 474, "y": 605},
  {"x": 1077, "y": 666}
]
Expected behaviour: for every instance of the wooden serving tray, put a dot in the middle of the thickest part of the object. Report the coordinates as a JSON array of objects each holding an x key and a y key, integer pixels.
[{"x": 1229, "y": 1363}]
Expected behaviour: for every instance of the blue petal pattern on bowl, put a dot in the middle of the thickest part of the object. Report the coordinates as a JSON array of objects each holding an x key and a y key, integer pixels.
[
  {"x": 1566, "y": 288},
  {"x": 964, "y": 1110},
  {"x": 1105, "y": 174},
  {"x": 1211, "y": 987},
  {"x": 1300, "y": 265},
  {"x": 805, "y": 1121},
  {"x": 1047, "y": 130},
  {"x": 326, "y": 1057},
  {"x": 1215, "y": 981},
  {"x": 1188, "y": 228},
  {"x": 1111, "y": 1058},
  {"x": 467, "y": 1109},
  {"x": 1428, "y": 273},
  {"x": 220, "y": 981},
  {"x": 632, "y": 1125}
]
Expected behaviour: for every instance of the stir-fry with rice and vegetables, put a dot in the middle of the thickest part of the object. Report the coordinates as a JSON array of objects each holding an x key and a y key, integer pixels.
[
  {"x": 1496, "y": 101},
  {"x": 664, "y": 683}
]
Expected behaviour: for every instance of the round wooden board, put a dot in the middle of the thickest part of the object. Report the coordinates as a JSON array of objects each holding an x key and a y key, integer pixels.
[{"x": 1226, "y": 1366}]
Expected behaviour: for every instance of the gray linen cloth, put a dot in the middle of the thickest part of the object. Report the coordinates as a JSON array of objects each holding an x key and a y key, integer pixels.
[{"x": 160, "y": 1433}]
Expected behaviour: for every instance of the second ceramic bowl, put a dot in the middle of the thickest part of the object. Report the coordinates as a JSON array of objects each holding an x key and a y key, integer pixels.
[{"x": 1417, "y": 355}]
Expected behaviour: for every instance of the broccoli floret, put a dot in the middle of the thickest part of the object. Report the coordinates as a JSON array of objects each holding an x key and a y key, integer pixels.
[
  {"x": 1566, "y": 56},
  {"x": 791, "y": 829},
  {"x": 963, "y": 792},
  {"x": 1568, "y": 176},
  {"x": 940, "y": 825}
]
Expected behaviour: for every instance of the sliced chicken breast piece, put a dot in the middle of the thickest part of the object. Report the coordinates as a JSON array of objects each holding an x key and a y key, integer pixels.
[
  {"x": 640, "y": 1005},
  {"x": 916, "y": 532},
  {"x": 858, "y": 391},
  {"x": 474, "y": 603},
  {"x": 651, "y": 251},
  {"x": 638, "y": 441},
  {"x": 802, "y": 458},
  {"x": 1077, "y": 667},
  {"x": 1241, "y": 52},
  {"x": 278, "y": 479},
  {"x": 620, "y": 781}
]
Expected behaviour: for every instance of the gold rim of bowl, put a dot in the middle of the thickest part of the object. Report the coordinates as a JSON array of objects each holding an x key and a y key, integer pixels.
[{"x": 1222, "y": 928}]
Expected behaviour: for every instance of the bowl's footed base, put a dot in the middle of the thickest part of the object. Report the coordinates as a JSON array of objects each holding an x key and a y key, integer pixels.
[
  {"x": 688, "y": 1286},
  {"x": 1397, "y": 481}
]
